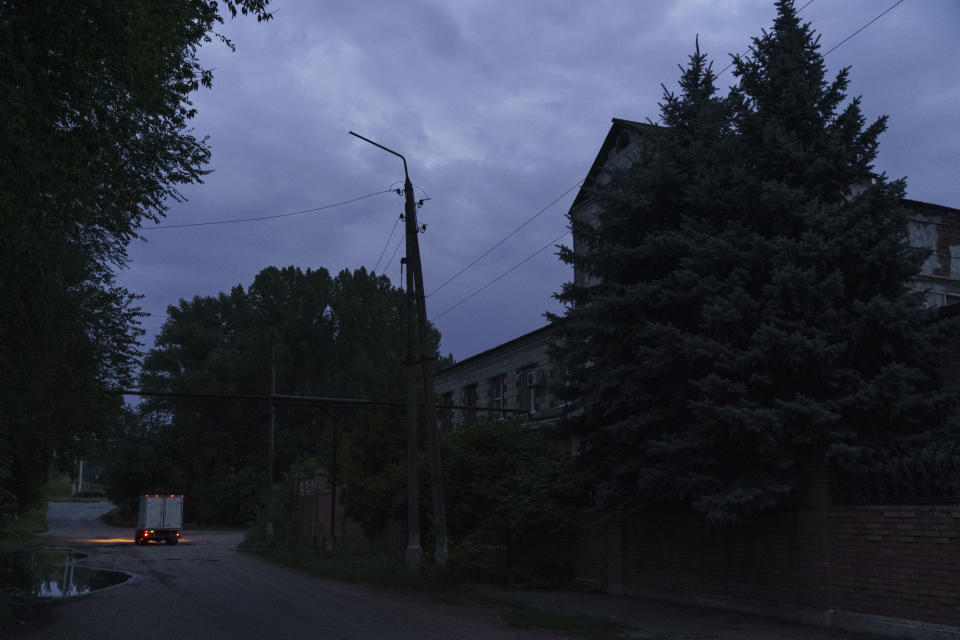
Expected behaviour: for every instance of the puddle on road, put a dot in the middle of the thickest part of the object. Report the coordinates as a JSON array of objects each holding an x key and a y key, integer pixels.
[{"x": 54, "y": 573}]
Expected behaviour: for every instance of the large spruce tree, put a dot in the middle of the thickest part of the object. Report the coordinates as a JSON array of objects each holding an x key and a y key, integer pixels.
[{"x": 747, "y": 307}]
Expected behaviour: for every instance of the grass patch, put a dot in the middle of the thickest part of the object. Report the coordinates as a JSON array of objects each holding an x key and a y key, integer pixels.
[
  {"x": 12, "y": 603},
  {"x": 60, "y": 489},
  {"x": 388, "y": 571},
  {"x": 24, "y": 527},
  {"x": 375, "y": 568},
  {"x": 525, "y": 617},
  {"x": 114, "y": 518}
]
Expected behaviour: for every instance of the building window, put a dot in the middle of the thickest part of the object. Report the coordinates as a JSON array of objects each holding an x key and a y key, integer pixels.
[
  {"x": 560, "y": 382},
  {"x": 529, "y": 385},
  {"x": 445, "y": 414},
  {"x": 468, "y": 399},
  {"x": 497, "y": 395}
]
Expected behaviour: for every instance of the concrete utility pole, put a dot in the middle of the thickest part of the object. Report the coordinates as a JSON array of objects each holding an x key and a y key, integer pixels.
[
  {"x": 415, "y": 269},
  {"x": 407, "y": 318},
  {"x": 426, "y": 362},
  {"x": 333, "y": 483},
  {"x": 273, "y": 429}
]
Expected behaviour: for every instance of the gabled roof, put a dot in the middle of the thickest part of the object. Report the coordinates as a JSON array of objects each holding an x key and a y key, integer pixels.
[{"x": 618, "y": 127}]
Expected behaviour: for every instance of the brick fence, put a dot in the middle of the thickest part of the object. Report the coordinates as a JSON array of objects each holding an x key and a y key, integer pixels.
[{"x": 891, "y": 570}]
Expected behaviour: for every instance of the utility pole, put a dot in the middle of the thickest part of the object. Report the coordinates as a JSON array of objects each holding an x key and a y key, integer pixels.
[
  {"x": 273, "y": 428},
  {"x": 415, "y": 272},
  {"x": 333, "y": 483},
  {"x": 426, "y": 363},
  {"x": 414, "y": 550}
]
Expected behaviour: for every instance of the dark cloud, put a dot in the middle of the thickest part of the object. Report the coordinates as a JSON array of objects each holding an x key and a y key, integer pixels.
[{"x": 499, "y": 107}]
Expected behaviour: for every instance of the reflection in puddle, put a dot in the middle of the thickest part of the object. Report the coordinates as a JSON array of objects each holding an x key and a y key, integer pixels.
[{"x": 54, "y": 573}]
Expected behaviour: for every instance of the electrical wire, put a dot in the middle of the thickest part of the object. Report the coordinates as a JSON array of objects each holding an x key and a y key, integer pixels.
[
  {"x": 502, "y": 275},
  {"x": 393, "y": 255},
  {"x": 272, "y": 217},
  {"x": 387, "y": 244},
  {"x": 505, "y": 238},
  {"x": 889, "y": 9}
]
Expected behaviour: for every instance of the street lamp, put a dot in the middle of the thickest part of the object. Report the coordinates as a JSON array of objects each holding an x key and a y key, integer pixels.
[{"x": 416, "y": 306}]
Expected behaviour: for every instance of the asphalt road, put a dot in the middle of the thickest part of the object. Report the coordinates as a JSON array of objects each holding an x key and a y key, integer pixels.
[{"x": 204, "y": 588}]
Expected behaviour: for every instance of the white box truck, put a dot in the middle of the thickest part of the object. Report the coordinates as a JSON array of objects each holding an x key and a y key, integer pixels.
[{"x": 160, "y": 517}]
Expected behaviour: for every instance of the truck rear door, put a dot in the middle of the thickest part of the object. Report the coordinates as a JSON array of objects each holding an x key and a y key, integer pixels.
[
  {"x": 173, "y": 513},
  {"x": 153, "y": 513}
]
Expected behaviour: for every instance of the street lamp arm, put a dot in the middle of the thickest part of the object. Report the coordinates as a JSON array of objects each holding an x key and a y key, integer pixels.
[{"x": 377, "y": 144}]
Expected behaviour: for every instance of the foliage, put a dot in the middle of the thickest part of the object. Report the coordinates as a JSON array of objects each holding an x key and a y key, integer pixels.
[
  {"x": 573, "y": 625},
  {"x": 94, "y": 139},
  {"x": 746, "y": 306},
  {"x": 504, "y": 475},
  {"x": 335, "y": 337},
  {"x": 23, "y": 526},
  {"x": 500, "y": 477},
  {"x": 374, "y": 493}
]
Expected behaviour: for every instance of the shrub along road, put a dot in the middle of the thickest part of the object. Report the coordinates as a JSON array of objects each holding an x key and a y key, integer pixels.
[{"x": 205, "y": 588}]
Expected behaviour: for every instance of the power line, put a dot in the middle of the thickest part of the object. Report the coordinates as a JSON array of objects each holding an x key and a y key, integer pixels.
[
  {"x": 272, "y": 217},
  {"x": 889, "y": 9},
  {"x": 393, "y": 255},
  {"x": 387, "y": 244},
  {"x": 507, "y": 237},
  {"x": 502, "y": 275}
]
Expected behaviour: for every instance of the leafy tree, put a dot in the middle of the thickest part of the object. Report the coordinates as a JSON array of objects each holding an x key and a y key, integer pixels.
[
  {"x": 747, "y": 306},
  {"x": 335, "y": 337},
  {"x": 94, "y": 140}
]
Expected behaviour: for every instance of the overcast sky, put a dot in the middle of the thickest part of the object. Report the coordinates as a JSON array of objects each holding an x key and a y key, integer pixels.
[{"x": 499, "y": 107}]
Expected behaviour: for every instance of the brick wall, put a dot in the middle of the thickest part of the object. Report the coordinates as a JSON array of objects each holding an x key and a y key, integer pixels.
[
  {"x": 902, "y": 561},
  {"x": 887, "y": 561},
  {"x": 883, "y": 561},
  {"x": 811, "y": 564}
]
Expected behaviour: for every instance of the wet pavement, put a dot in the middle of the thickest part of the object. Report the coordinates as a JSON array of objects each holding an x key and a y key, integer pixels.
[
  {"x": 204, "y": 588},
  {"x": 47, "y": 572}
]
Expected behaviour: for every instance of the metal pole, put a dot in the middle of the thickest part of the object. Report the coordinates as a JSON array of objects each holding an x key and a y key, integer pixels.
[{"x": 273, "y": 425}]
